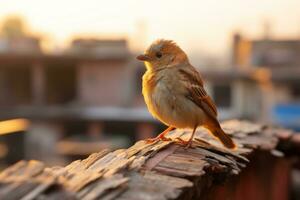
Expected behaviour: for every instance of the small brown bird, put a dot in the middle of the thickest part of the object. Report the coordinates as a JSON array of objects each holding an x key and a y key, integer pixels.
[{"x": 174, "y": 93}]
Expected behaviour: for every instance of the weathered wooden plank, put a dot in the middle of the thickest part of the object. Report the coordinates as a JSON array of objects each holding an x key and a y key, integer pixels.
[
  {"x": 94, "y": 157},
  {"x": 143, "y": 187},
  {"x": 176, "y": 172},
  {"x": 162, "y": 170},
  {"x": 22, "y": 170},
  {"x": 100, "y": 187},
  {"x": 193, "y": 169},
  {"x": 168, "y": 180},
  {"x": 57, "y": 193},
  {"x": 44, "y": 181},
  {"x": 240, "y": 128},
  {"x": 20, "y": 191},
  {"x": 152, "y": 162}
]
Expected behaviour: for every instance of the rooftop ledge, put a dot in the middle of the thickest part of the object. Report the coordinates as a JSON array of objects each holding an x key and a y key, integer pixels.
[{"x": 165, "y": 170}]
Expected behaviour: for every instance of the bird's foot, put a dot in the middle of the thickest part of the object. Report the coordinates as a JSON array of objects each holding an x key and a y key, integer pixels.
[
  {"x": 158, "y": 138},
  {"x": 161, "y": 136},
  {"x": 186, "y": 144},
  {"x": 202, "y": 141}
]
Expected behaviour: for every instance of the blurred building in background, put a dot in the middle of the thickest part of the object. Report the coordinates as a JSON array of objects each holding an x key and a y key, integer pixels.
[
  {"x": 277, "y": 64},
  {"x": 77, "y": 102},
  {"x": 85, "y": 93}
]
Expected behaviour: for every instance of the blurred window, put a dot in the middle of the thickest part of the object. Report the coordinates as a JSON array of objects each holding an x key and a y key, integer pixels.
[
  {"x": 15, "y": 85},
  {"x": 296, "y": 91},
  {"x": 61, "y": 83},
  {"x": 222, "y": 95}
]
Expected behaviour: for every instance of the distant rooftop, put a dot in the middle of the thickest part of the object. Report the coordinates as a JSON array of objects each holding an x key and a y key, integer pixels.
[
  {"x": 22, "y": 44},
  {"x": 266, "y": 52},
  {"x": 276, "y": 52},
  {"x": 97, "y": 47},
  {"x": 28, "y": 48}
]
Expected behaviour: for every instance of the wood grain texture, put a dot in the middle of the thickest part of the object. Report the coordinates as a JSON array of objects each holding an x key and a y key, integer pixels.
[{"x": 163, "y": 170}]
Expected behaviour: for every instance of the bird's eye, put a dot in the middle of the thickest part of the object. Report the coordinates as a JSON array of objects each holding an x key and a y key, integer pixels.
[{"x": 158, "y": 54}]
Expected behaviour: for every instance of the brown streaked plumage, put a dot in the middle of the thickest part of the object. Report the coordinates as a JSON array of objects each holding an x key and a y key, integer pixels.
[{"x": 174, "y": 93}]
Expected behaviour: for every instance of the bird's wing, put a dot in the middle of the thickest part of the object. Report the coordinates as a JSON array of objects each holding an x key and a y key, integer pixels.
[{"x": 196, "y": 92}]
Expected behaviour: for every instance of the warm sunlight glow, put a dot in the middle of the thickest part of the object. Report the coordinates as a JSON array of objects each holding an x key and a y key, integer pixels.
[
  {"x": 14, "y": 125},
  {"x": 198, "y": 26}
]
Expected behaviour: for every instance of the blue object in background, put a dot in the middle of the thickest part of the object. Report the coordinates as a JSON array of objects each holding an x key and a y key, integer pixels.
[{"x": 287, "y": 115}]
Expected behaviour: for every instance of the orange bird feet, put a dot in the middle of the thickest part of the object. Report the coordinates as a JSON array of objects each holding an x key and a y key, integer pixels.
[
  {"x": 187, "y": 144},
  {"x": 160, "y": 137}
]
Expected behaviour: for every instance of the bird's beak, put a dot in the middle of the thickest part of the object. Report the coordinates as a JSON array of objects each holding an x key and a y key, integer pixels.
[{"x": 143, "y": 57}]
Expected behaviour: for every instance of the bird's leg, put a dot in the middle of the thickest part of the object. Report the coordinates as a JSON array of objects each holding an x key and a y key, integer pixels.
[
  {"x": 161, "y": 136},
  {"x": 187, "y": 143}
]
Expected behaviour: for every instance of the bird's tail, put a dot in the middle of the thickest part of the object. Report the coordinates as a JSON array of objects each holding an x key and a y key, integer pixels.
[{"x": 223, "y": 137}]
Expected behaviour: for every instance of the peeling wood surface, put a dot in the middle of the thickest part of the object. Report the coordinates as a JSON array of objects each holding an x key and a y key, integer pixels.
[{"x": 163, "y": 170}]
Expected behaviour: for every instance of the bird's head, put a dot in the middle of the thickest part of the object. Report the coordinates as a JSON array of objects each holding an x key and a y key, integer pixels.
[{"x": 163, "y": 53}]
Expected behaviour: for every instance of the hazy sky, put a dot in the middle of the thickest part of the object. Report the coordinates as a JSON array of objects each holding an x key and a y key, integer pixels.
[{"x": 198, "y": 26}]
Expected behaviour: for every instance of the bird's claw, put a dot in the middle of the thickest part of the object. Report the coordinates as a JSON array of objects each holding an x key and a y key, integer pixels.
[
  {"x": 186, "y": 144},
  {"x": 156, "y": 139}
]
